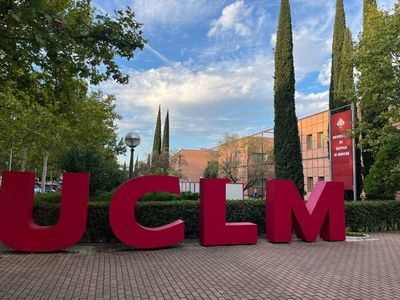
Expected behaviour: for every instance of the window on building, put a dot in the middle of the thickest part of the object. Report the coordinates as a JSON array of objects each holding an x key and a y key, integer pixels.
[
  {"x": 310, "y": 184},
  {"x": 321, "y": 178},
  {"x": 309, "y": 141},
  {"x": 320, "y": 140}
]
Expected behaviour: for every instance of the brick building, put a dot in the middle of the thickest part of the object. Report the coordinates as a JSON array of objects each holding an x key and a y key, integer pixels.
[{"x": 251, "y": 152}]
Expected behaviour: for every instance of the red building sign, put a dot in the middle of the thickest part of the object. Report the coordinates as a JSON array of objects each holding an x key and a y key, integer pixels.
[{"x": 342, "y": 149}]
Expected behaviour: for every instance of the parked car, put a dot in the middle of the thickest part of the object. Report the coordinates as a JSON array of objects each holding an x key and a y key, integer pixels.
[{"x": 48, "y": 188}]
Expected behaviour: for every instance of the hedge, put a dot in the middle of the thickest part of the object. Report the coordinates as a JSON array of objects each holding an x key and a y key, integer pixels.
[
  {"x": 370, "y": 216},
  {"x": 106, "y": 197},
  {"x": 366, "y": 216}
]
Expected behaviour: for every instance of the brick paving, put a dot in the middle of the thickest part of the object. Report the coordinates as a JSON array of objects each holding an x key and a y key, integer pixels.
[{"x": 323, "y": 270}]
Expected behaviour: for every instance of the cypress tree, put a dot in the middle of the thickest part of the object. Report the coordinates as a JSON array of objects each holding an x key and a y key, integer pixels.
[
  {"x": 288, "y": 161},
  {"x": 338, "y": 39},
  {"x": 157, "y": 137},
  {"x": 164, "y": 158},
  {"x": 346, "y": 90},
  {"x": 165, "y": 141}
]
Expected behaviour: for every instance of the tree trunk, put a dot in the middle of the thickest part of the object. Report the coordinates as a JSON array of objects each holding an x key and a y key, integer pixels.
[
  {"x": 44, "y": 170},
  {"x": 24, "y": 159},
  {"x": 10, "y": 162}
]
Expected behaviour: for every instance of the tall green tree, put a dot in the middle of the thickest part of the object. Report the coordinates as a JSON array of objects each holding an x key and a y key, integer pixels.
[
  {"x": 288, "y": 161},
  {"x": 377, "y": 58},
  {"x": 367, "y": 6},
  {"x": 165, "y": 140},
  {"x": 345, "y": 90},
  {"x": 338, "y": 40},
  {"x": 157, "y": 138}
]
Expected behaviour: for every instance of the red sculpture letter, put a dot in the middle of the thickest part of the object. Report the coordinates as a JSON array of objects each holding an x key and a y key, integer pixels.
[
  {"x": 214, "y": 231},
  {"x": 324, "y": 212},
  {"x": 122, "y": 214},
  {"x": 17, "y": 229}
]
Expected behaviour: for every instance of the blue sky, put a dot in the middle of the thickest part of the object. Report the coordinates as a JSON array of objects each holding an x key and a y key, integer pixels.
[{"x": 211, "y": 63}]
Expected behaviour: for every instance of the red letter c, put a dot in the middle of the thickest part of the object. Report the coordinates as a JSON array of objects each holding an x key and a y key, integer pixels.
[{"x": 122, "y": 214}]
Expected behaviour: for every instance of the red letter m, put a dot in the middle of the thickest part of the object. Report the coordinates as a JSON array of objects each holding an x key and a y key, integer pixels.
[{"x": 323, "y": 214}]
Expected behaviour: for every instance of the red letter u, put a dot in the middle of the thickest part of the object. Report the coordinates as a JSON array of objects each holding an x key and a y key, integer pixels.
[{"x": 17, "y": 229}]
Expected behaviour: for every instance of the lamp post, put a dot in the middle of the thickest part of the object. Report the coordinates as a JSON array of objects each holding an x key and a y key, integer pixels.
[{"x": 132, "y": 140}]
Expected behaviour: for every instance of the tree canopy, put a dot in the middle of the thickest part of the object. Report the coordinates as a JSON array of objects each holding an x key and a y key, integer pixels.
[{"x": 52, "y": 54}]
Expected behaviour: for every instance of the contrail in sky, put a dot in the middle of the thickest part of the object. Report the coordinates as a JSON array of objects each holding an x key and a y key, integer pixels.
[{"x": 159, "y": 55}]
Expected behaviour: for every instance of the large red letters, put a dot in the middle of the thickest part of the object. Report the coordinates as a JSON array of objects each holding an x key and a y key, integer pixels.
[
  {"x": 17, "y": 229},
  {"x": 214, "y": 230},
  {"x": 122, "y": 214},
  {"x": 324, "y": 212}
]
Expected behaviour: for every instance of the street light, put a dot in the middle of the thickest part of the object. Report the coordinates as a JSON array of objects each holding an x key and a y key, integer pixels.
[{"x": 132, "y": 140}]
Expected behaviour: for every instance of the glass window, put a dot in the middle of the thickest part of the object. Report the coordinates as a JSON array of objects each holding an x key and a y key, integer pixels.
[
  {"x": 310, "y": 184},
  {"x": 320, "y": 140},
  {"x": 309, "y": 141},
  {"x": 321, "y": 178}
]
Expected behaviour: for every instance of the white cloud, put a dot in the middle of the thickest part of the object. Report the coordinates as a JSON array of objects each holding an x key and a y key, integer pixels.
[
  {"x": 307, "y": 104},
  {"x": 178, "y": 85},
  {"x": 324, "y": 76},
  {"x": 155, "y": 13},
  {"x": 312, "y": 40},
  {"x": 233, "y": 18},
  {"x": 272, "y": 42},
  {"x": 204, "y": 104}
]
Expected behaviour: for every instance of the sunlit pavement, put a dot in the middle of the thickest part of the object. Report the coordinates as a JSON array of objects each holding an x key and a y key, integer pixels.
[{"x": 344, "y": 270}]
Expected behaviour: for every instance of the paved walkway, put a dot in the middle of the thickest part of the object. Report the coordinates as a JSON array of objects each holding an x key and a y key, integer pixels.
[{"x": 346, "y": 270}]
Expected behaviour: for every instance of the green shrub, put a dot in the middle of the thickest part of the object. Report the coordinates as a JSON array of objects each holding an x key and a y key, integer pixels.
[
  {"x": 367, "y": 216},
  {"x": 163, "y": 197},
  {"x": 383, "y": 180},
  {"x": 105, "y": 174},
  {"x": 48, "y": 197},
  {"x": 370, "y": 216},
  {"x": 189, "y": 196}
]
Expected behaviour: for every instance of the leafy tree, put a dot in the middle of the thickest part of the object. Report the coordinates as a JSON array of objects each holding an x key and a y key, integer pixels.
[
  {"x": 105, "y": 174},
  {"x": 288, "y": 161},
  {"x": 50, "y": 51},
  {"x": 158, "y": 167},
  {"x": 337, "y": 52},
  {"x": 243, "y": 160},
  {"x": 383, "y": 180},
  {"x": 367, "y": 6},
  {"x": 377, "y": 58},
  {"x": 59, "y": 40},
  {"x": 212, "y": 170}
]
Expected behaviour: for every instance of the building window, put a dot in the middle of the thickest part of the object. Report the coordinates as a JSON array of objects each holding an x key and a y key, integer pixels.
[
  {"x": 320, "y": 140},
  {"x": 310, "y": 184},
  {"x": 321, "y": 178},
  {"x": 309, "y": 142}
]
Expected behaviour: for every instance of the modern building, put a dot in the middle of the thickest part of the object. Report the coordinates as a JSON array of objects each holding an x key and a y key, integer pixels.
[
  {"x": 191, "y": 164},
  {"x": 249, "y": 160}
]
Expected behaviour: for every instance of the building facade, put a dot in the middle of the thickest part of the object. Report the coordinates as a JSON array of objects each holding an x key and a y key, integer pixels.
[
  {"x": 249, "y": 160},
  {"x": 191, "y": 164}
]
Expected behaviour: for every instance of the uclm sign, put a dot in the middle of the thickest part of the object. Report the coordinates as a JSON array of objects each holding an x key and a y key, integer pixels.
[{"x": 324, "y": 214}]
